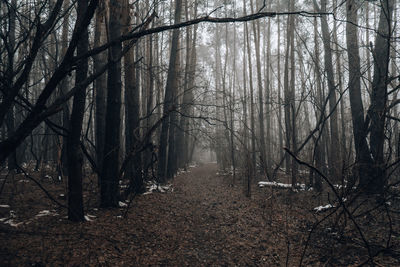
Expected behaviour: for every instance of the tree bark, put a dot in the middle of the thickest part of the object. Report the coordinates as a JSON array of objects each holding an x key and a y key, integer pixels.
[
  {"x": 132, "y": 112},
  {"x": 319, "y": 143},
  {"x": 252, "y": 122},
  {"x": 191, "y": 60},
  {"x": 110, "y": 169},
  {"x": 343, "y": 142},
  {"x": 100, "y": 84},
  {"x": 293, "y": 132},
  {"x": 268, "y": 98},
  {"x": 256, "y": 32},
  {"x": 12, "y": 159},
  {"x": 377, "y": 111},
  {"x": 63, "y": 160},
  {"x": 363, "y": 158},
  {"x": 147, "y": 158},
  {"x": 74, "y": 152},
  {"x": 169, "y": 104},
  {"x": 334, "y": 159},
  {"x": 280, "y": 127}
]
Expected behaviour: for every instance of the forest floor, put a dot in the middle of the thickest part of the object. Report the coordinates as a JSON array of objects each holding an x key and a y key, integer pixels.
[{"x": 200, "y": 221}]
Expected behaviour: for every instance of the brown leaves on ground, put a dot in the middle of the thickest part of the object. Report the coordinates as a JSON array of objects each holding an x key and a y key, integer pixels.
[{"x": 202, "y": 222}]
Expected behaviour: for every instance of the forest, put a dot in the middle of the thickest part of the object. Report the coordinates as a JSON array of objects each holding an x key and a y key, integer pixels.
[{"x": 198, "y": 133}]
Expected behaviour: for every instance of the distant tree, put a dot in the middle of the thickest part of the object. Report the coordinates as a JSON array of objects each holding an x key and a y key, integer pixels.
[
  {"x": 334, "y": 153},
  {"x": 257, "y": 45}
]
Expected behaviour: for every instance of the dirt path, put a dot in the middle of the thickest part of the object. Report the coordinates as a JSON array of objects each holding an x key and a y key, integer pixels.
[
  {"x": 202, "y": 222},
  {"x": 206, "y": 222},
  {"x": 214, "y": 224}
]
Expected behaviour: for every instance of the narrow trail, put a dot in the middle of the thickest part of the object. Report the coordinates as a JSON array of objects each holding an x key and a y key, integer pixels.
[{"x": 206, "y": 222}]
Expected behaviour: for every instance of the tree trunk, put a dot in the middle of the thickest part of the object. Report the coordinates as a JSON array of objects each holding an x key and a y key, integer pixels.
[
  {"x": 280, "y": 126},
  {"x": 334, "y": 152},
  {"x": 232, "y": 109},
  {"x": 132, "y": 112},
  {"x": 363, "y": 158},
  {"x": 187, "y": 102},
  {"x": 319, "y": 143},
  {"x": 147, "y": 158},
  {"x": 247, "y": 162},
  {"x": 12, "y": 159},
  {"x": 377, "y": 111},
  {"x": 252, "y": 123},
  {"x": 339, "y": 74},
  {"x": 256, "y": 32},
  {"x": 100, "y": 84},
  {"x": 169, "y": 103},
  {"x": 74, "y": 152},
  {"x": 268, "y": 101},
  {"x": 63, "y": 160},
  {"x": 110, "y": 168},
  {"x": 293, "y": 132},
  {"x": 286, "y": 101}
]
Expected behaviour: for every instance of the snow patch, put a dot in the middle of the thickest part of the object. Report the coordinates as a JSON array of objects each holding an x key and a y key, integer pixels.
[
  {"x": 323, "y": 208},
  {"x": 12, "y": 223},
  {"x": 10, "y": 220},
  {"x": 89, "y": 217},
  {"x": 153, "y": 186},
  {"x": 122, "y": 204},
  {"x": 302, "y": 187},
  {"x": 274, "y": 184},
  {"x": 47, "y": 213}
]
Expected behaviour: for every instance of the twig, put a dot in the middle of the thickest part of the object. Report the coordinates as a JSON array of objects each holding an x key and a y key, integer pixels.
[
  {"x": 41, "y": 187},
  {"x": 340, "y": 200}
]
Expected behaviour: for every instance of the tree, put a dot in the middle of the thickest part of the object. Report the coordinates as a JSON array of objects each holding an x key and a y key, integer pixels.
[
  {"x": 100, "y": 84},
  {"x": 167, "y": 134},
  {"x": 132, "y": 111},
  {"x": 256, "y": 32},
  {"x": 379, "y": 97},
  {"x": 289, "y": 96},
  {"x": 74, "y": 152},
  {"x": 9, "y": 75},
  {"x": 369, "y": 159},
  {"x": 110, "y": 170},
  {"x": 334, "y": 153},
  {"x": 252, "y": 123},
  {"x": 187, "y": 102}
]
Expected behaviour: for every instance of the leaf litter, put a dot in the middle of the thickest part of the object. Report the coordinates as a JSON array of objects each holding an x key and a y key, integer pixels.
[{"x": 197, "y": 220}]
